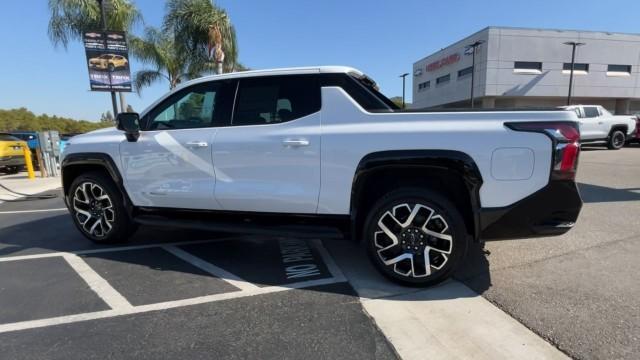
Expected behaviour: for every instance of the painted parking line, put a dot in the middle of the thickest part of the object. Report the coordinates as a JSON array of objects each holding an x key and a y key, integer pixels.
[
  {"x": 210, "y": 268},
  {"x": 97, "y": 283},
  {"x": 33, "y": 211},
  {"x": 105, "y": 249}
]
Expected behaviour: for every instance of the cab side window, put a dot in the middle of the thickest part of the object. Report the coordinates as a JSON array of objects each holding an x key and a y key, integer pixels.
[
  {"x": 591, "y": 112},
  {"x": 198, "y": 106},
  {"x": 276, "y": 99}
]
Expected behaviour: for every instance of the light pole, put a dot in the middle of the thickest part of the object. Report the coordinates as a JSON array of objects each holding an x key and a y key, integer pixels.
[
  {"x": 403, "y": 76},
  {"x": 573, "y": 45},
  {"x": 473, "y": 65}
]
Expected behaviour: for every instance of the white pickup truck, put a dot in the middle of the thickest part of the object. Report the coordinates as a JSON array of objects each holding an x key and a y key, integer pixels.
[
  {"x": 599, "y": 125},
  {"x": 318, "y": 152}
]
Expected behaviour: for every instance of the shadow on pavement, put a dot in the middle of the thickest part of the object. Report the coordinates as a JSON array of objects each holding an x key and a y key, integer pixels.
[
  {"x": 58, "y": 234},
  {"x": 474, "y": 272},
  {"x": 595, "y": 193}
]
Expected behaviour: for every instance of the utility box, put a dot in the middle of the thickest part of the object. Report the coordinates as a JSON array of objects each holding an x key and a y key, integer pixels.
[
  {"x": 54, "y": 137},
  {"x": 44, "y": 140}
]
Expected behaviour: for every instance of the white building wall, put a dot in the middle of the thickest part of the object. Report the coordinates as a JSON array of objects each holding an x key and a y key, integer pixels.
[
  {"x": 504, "y": 46},
  {"x": 458, "y": 89}
]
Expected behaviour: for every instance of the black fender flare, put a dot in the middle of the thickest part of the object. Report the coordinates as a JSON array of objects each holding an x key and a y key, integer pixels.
[{"x": 451, "y": 160}]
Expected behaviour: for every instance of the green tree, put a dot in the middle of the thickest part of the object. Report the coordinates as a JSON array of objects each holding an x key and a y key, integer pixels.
[
  {"x": 159, "y": 50},
  {"x": 398, "y": 101},
  {"x": 107, "y": 117},
  {"x": 198, "y": 25},
  {"x": 24, "y": 120},
  {"x": 71, "y": 18}
]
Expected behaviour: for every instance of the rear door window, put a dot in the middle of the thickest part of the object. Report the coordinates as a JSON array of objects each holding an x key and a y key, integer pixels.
[
  {"x": 276, "y": 99},
  {"x": 591, "y": 112}
]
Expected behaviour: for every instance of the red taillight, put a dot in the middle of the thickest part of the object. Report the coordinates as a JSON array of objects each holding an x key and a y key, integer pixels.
[{"x": 566, "y": 142}]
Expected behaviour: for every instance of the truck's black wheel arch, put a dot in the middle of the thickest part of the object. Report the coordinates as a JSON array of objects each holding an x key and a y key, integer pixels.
[
  {"x": 76, "y": 164},
  {"x": 452, "y": 172}
]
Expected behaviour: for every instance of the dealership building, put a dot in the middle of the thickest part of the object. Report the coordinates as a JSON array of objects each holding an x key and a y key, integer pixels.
[{"x": 517, "y": 67}]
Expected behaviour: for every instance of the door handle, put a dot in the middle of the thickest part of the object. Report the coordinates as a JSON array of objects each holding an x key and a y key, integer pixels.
[
  {"x": 197, "y": 144},
  {"x": 600, "y": 123},
  {"x": 295, "y": 142}
]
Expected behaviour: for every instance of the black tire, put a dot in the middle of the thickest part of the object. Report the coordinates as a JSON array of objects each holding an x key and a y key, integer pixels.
[
  {"x": 442, "y": 218},
  {"x": 616, "y": 140},
  {"x": 86, "y": 210},
  {"x": 111, "y": 67}
]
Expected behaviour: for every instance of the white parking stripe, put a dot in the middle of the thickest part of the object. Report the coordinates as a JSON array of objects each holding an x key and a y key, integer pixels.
[
  {"x": 328, "y": 260},
  {"x": 211, "y": 269},
  {"x": 24, "y": 325},
  {"x": 98, "y": 284},
  {"x": 105, "y": 249},
  {"x": 32, "y": 211}
]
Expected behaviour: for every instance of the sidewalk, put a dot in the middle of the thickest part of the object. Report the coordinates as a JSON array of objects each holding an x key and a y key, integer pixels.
[{"x": 21, "y": 183}]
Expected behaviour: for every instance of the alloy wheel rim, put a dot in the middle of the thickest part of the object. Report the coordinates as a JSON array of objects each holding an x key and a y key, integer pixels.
[
  {"x": 93, "y": 209},
  {"x": 413, "y": 240},
  {"x": 618, "y": 140}
]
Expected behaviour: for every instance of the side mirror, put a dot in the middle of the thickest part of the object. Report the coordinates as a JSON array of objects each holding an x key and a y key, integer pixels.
[{"x": 129, "y": 122}]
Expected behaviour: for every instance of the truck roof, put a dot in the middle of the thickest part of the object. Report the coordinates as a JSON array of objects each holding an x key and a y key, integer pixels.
[{"x": 277, "y": 71}]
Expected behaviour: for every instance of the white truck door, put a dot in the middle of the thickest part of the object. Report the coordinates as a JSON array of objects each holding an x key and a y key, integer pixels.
[
  {"x": 171, "y": 163},
  {"x": 591, "y": 124},
  {"x": 268, "y": 160}
]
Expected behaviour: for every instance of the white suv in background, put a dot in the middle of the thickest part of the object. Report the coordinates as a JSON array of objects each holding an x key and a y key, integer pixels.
[{"x": 598, "y": 125}]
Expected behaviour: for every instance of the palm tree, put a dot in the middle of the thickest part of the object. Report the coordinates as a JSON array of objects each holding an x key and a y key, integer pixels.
[
  {"x": 71, "y": 18},
  {"x": 168, "y": 62},
  {"x": 204, "y": 31}
]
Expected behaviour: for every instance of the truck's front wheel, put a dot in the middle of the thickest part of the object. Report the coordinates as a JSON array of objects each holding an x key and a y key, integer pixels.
[
  {"x": 98, "y": 210},
  {"x": 415, "y": 236}
]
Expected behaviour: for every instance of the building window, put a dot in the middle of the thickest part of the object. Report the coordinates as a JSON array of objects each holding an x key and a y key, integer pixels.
[
  {"x": 578, "y": 68},
  {"x": 424, "y": 85},
  {"x": 527, "y": 67},
  {"x": 618, "y": 70},
  {"x": 443, "y": 79},
  {"x": 464, "y": 72}
]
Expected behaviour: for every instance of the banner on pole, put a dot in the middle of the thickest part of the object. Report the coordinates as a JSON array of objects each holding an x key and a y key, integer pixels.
[{"x": 108, "y": 60}]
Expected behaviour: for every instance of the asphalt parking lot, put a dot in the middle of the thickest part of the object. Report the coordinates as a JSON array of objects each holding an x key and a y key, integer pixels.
[
  {"x": 581, "y": 290},
  {"x": 185, "y": 294}
]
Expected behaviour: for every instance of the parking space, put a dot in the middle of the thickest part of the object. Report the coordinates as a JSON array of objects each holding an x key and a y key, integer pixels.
[
  {"x": 177, "y": 293},
  {"x": 106, "y": 282}
]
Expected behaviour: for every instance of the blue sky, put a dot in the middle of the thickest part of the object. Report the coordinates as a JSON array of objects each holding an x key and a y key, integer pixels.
[{"x": 382, "y": 38}]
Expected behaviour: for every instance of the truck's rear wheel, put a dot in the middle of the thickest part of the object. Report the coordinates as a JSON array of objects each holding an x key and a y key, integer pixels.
[
  {"x": 98, "y": 210},
  {"x": 415, "y": 236},
  {"x": 616, "y": 140}
]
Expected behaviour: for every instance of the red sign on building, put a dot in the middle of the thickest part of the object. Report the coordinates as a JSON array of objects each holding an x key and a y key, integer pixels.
[{"x": 451, "y": 59}]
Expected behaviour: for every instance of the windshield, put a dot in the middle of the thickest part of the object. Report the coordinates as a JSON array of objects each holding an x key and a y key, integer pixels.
[{"x": 7, "y": 137}]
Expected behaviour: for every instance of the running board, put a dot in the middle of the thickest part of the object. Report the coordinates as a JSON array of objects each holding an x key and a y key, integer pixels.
[{"x": 297, "y": 231}]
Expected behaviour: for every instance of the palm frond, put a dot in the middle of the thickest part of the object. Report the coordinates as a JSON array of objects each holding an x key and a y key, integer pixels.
[
  {"x": 71, "y": 18},
  {"x": 144, "y": 78},
  {"x": 190, "y": 20}
]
